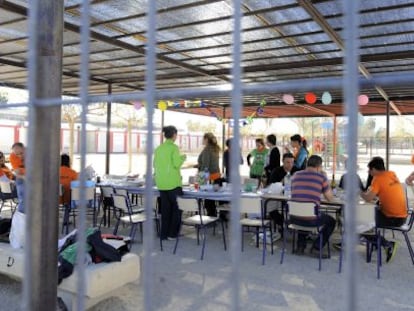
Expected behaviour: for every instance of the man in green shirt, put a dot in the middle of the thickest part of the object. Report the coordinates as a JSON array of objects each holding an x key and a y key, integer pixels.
[{"x": 167, "y": 165}]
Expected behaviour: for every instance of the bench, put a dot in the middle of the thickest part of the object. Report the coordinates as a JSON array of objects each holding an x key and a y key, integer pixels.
[{"x": 101, "y": 279}]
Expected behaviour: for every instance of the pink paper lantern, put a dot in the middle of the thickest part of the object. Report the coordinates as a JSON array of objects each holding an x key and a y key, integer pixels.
[
  {"x": 363, "y": 100},
  {"x": 137, "y": 105},
  {"x": 288, "y": 99}
]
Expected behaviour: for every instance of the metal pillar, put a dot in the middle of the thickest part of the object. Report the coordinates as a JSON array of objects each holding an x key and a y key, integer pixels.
[
  {"x": 387, "y": 138},
  {"x": 108, "y": 131},
  {"x": 42, "y": 159},
  {"x": 223, "y": 137}
]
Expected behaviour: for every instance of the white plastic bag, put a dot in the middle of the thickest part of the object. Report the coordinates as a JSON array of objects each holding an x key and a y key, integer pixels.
[
  {"x": 276, "y": 188},
  {"x": 18, "y": 230}
]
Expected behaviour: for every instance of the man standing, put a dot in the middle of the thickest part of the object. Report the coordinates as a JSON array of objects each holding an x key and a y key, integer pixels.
[
  {"x": 392, "y": 205},
  {"x": 167, "y": 165},
  {"x": 308, "y": 185}
]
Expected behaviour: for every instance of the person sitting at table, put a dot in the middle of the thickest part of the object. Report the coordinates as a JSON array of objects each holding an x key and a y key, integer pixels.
[
  {"x": 308, "y": 185},
  {"x": 277, "y": 175},
  {"x": 17, "y": 162},
  {"x": 17, "y": 158},
  {"x": 66, "y": 176},
  {"x": 4, "y": 169},
  {"x": 343, "y": 178},
  {"x": 392, "y": 209},
  {"x": 410, "y": 179},
  {"x": 167, "y": 165}
]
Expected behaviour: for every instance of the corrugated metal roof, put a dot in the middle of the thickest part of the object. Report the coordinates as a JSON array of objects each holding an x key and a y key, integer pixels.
[{"x": 282, "y": 40}]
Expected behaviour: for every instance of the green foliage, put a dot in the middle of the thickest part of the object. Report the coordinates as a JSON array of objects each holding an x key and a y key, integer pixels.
[{"x": 4, "y": 98}]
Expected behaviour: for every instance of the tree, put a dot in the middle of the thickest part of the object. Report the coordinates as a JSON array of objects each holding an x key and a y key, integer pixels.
[
  {"x": 129, "y": 116},
  {"x": 197, "y": 126},
  {"x": 71, "y": 114},
  {"x": 4, "y": 98}
]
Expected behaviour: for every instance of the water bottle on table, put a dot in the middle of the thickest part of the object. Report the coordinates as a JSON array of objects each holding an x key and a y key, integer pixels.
[{"x": 288, "y": 185}]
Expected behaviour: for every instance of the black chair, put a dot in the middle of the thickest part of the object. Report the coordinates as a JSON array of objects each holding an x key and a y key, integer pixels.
[
  {"x": 8, "y": 195},
  {"x": 303, "y": 209},
  {"x": 404, "y": 229}
]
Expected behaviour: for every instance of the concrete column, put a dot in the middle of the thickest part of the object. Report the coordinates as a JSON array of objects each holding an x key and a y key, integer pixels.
[{"x": 42, "y": 157}]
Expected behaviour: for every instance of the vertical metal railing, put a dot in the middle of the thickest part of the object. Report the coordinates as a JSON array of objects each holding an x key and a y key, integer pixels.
[
  {"x": 84, "y": 93},
  {"x": 150, "y": 90},
  {"x": 350, "y": 93},
  {"x": 236, "y": 105}
]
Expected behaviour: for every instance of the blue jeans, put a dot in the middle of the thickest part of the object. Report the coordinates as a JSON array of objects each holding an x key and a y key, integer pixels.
[{"x": 20, "y": 194}]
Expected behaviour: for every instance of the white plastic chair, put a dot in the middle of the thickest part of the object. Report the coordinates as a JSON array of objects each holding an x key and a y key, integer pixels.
[
  {"x": 199, "y": 221},
  {"x": 254, "y": 205},
  {"x": 125, "y": 215},
  {"x": 302, "y": 210}
]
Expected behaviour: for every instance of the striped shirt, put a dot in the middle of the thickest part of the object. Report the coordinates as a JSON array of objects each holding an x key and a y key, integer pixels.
[{"x": 308, "y": 186}]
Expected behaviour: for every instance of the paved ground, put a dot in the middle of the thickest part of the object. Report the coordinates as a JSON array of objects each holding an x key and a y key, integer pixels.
[{"x": 184, "y": 282}]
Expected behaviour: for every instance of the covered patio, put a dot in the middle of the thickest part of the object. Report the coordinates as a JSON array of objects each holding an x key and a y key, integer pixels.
[{"x": 229, "y": 59}]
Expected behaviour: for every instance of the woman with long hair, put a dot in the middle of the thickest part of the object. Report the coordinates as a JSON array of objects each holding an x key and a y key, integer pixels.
[{"x": 208, "y": 161}]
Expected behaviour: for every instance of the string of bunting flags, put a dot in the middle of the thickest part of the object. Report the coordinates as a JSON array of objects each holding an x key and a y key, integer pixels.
[{"x": 163, "y": 105}]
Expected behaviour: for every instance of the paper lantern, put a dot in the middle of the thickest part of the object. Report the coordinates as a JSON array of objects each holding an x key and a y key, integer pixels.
[
  {"x": 326, "y": 98},
  {"x": 363, "y": 100},
  {"x": 310, "y": 98},
  {"x": 162, "y": 105},
  {"x": 288, "y": 99},
  {"x": 137, "y": 105}
]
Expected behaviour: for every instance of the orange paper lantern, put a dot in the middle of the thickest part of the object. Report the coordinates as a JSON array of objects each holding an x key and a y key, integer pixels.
[{"x": 310, "y": 98}]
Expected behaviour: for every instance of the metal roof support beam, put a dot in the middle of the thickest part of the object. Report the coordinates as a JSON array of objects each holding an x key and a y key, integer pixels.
[{"x": 318, "y": 18}]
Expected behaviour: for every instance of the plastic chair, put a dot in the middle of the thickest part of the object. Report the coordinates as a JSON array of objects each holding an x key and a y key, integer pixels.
[
  {"x": 302, "y": 209},
  {"x": 71, "y": 209},
  {"x": 8, "y": 195},
  {"x": 124, "y": 214},
  {"x": 254, "y": 205},
  {"x": 200, "y": 222},
  {"x": 107, "y": 204}
]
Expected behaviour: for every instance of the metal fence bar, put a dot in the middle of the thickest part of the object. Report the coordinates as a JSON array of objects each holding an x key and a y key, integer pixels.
[
  {"x": 84, "y": 88},
  {"x": 236, "y": 104},
  {"x": 319, "y": 84},
  {"x": 351, "y": 90},
  {"x": 41, "y": 180},
  {"x": 150, "y": 90}
]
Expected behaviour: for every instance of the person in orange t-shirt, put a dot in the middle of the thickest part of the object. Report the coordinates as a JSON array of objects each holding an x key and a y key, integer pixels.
[
  {"x": 67, "y": 175},
  {"x": 17, "y": 158},
  {"x": 392, "y": 202},
  {"x": 4, "y": 170}
]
